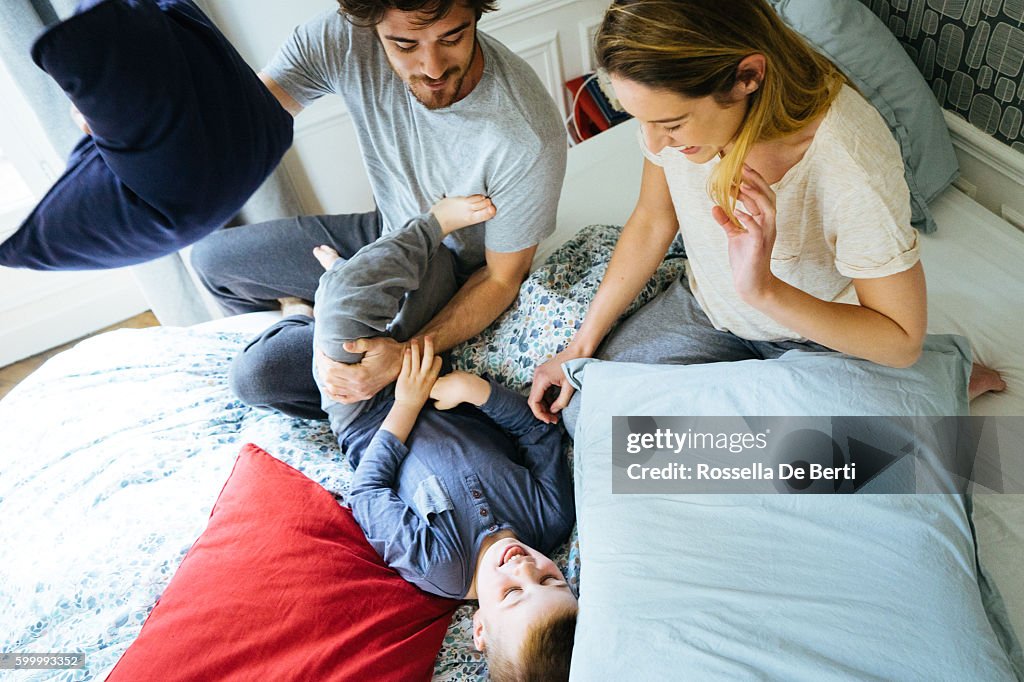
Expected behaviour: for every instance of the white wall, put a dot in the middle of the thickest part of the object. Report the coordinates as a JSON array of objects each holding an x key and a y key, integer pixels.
[{"x": 324, "y": 162}]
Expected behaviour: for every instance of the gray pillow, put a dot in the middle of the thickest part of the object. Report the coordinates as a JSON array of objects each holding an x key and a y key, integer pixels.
[
  {"x": 862, "y": 46},
  {"x": 775, "y": 587}
]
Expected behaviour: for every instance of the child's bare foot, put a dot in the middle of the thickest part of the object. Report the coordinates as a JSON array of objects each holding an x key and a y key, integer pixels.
[
  {"x": 326, "y": 256},
  {"x": 295, "y": 306},
  {"x": 454, "y": 213},
  {"x": 984, "y": 380}
]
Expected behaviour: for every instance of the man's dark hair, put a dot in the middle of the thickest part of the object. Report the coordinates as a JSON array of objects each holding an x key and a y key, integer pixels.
[{"x": 371, "y": 12}]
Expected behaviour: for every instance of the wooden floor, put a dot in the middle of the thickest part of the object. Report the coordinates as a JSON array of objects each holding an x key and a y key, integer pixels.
[{"x": 11, "y": 375}]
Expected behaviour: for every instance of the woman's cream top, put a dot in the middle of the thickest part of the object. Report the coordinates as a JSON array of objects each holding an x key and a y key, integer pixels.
[{"x": 842, "y": 213}]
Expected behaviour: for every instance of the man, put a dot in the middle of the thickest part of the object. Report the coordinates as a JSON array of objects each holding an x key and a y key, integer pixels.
[{"x": 440, "y": 109}]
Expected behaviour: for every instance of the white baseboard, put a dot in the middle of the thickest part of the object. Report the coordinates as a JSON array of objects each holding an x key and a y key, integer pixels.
[
  {"x": 990, "y": 171},
  {"x": 32, "y": 325}
]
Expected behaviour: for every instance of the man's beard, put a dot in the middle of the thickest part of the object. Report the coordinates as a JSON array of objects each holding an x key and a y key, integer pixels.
[{"x": 442, "y": 99}]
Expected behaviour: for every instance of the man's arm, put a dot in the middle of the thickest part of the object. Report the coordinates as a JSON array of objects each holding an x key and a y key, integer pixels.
[
  {"x": 486, "y": 294},
  {"x": 286, "y": 100}
]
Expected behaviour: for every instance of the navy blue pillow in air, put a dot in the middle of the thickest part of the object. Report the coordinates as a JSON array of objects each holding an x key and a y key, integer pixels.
[{"x": 183, "y": 133}]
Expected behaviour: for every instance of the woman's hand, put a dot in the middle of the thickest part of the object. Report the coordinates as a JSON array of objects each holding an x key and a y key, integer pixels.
[
  {"x": 460, "y": 387},
  {"x": 418, "y": 374},
  {"x": 750, "y": 243},
  {"x": 546, "y": 378}
]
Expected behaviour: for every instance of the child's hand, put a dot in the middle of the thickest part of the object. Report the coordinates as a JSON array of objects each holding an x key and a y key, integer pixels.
[
  {"x": 454, "y": 213},
  {"x": 460, "y": 387},
  {"x": 419, "y": 372},
  {"x": 326, "y": 255}
]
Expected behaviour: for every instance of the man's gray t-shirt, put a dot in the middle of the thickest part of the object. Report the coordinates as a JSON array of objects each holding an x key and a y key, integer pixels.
[{"x": 505, "y": 139}]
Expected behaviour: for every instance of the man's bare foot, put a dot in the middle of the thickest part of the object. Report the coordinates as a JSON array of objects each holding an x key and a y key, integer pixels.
[
  {"x": 454, "y": 213},
  {"x": 295, "y": 306},
  {"x": 984, "y": 380}
]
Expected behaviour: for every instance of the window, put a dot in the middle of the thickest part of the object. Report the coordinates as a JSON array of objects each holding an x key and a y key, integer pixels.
[
  {"x": 28, "y": 163},
  {"x": 16, "y": 198}
]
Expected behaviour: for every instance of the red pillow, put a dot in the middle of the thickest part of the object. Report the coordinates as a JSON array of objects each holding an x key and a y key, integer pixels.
[{"x": 283, "y": 585}]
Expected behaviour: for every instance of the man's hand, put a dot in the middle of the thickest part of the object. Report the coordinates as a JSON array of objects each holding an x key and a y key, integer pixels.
[
  {"x": 80, "y": 121},
  {"x": 347, "y": 384}
]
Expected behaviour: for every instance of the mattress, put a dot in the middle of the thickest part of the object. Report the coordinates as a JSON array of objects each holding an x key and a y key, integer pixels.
[
  {"x": 95, "y": 455},
  {"x": 972, "y": 264}
]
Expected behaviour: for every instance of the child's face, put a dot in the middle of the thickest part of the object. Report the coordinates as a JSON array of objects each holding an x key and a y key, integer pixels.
[{"x": 516, "y": 586}]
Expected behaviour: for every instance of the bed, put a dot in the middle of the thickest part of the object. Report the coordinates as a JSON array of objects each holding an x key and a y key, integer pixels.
[{"x": 114, "y": 451}]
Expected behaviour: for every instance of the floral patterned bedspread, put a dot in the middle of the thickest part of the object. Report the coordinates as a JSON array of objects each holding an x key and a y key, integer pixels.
[{"x": 113, "y": 453}]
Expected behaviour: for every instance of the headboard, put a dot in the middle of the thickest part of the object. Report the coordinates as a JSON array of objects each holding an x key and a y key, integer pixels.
[{"x": 971, "y": 52}]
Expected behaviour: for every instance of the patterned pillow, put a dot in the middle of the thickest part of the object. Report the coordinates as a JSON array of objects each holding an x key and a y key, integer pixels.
[{"x": 551, "y": 306}]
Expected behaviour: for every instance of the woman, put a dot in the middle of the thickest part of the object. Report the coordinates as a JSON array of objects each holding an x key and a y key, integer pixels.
[{"x": 786, "y": 185}]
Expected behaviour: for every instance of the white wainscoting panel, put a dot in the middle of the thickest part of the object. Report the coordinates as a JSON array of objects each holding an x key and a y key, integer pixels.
[
  {"x": 41, "y": 310},
  {"x": 513, "y": 12},
  {"x": 543, "y": 55},
  {"x": 325, "y": 163},
  {"x": 587, "y": 31}
]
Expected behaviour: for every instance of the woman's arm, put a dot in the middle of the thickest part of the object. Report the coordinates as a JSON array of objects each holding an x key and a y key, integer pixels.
[
  {"x": 888, "y": 325},
  {"x": 645, "y": 239},
  {"x": 640, "y": 250}
]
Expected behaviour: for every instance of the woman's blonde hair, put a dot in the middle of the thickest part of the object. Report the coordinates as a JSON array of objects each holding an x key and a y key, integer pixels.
[{"x": 694, "y": 48}]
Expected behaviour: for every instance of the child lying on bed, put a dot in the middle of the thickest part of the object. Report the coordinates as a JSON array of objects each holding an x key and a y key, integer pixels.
[{"x": 453, "y": 496}]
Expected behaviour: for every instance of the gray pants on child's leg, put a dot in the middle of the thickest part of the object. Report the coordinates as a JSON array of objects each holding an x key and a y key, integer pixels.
[
  {"x": 392, "y": 287},
  {"x": 272, "y": 371}
]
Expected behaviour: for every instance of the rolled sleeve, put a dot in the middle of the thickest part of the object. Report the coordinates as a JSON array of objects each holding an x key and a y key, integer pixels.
[{"x": 867, "y": 219}]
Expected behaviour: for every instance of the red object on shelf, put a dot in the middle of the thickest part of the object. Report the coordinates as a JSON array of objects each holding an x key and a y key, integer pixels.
[{"x": 586, "y": 113}]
